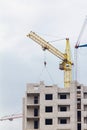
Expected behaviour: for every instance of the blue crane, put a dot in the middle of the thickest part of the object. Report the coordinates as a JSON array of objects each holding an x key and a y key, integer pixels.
[
  {"x": 85, "y": 45},
  {"x": 80, "y": 35}
]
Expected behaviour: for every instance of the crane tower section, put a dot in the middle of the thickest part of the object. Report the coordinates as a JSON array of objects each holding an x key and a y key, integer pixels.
[{"x": 66, "y": 64}]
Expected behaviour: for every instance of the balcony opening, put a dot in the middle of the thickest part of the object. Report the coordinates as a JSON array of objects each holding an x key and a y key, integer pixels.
[
  {"x": 85, "y": 120},
  {"x": 78, "y": 100},
  {"x": 85, "y": 107},
  {"x": 78, "y": 87},
  {"x": 63, "y": 95},
  {"x": 64, "y": 120},
  {"x": 78, "y": 92},
  {"x": 78, "y": 105},
  {"x": 85, "y": 95},
  {"x": 63, "y": 108}
]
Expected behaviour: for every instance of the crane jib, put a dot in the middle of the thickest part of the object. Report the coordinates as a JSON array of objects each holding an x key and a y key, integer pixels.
[{"x": 85, "y": 45}]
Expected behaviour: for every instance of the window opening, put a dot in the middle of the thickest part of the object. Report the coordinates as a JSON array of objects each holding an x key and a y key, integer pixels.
[
  {"x": 63, "y": 121},
  {"x": 78, "y": 115},
  {"x": 63, "y": 96},
  {"x": 48, "y": 97},
  {"x": 48, "y": 121},
  {"x": 48, "y": 109},
  {"x": 63, "y": 108},
  {"x": 36, "y": 122},
  {"x": 78, "y": 126}
]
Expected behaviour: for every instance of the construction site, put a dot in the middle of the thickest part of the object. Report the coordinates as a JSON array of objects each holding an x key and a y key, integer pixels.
[
  {"x": 50, "y": 107},
  {"x": 43, "y": 64}
]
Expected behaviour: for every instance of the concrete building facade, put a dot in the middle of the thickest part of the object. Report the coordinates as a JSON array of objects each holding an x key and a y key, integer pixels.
[{"x": 55, "y": 108}]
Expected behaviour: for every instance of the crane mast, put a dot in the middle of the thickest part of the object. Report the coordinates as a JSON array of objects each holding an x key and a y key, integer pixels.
[{"x": 66, "y": 64}]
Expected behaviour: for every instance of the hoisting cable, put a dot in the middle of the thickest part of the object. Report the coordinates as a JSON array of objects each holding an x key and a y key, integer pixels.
[
  {"x": 50, "y": 75},
  {"x": 48, "y": 35},
  {"x": 57, "y": 40},
  {"x": 45, "y": 65},
  {"x": 45, "y": 68}
]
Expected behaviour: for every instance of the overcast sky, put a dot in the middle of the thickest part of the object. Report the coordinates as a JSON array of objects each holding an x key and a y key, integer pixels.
[{"x": 21, "y": 59}]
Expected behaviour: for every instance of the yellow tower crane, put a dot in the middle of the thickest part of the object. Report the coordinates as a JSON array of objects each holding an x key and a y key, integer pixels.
[{"x": 66, "y": 64}]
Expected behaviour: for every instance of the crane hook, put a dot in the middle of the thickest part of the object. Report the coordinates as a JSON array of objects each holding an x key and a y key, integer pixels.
[{"x": 45, "y": 63}]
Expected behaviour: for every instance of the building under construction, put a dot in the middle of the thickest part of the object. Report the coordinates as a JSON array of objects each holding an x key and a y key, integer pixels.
[
  {"x": 51, "y": 107},
  {"x": 54, "y": 108}
]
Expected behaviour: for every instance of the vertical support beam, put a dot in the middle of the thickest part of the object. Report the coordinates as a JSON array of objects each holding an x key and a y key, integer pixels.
[{"x": 67, "y": 65}]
